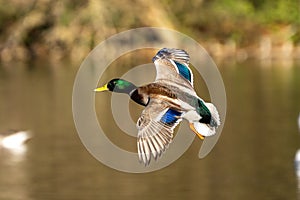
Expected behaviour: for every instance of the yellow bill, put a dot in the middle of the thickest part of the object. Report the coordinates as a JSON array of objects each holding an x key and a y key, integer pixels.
[{"x": 101, "y": 89}]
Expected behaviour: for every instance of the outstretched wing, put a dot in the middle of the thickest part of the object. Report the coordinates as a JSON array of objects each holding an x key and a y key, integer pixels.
[
  {"x": 155, "y": 129},
  {"x": 173, "y": 65}
]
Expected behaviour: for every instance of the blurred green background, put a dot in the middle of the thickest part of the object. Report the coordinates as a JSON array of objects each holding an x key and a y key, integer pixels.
[
  {"x": 71, "y": 28},
  {"x": 256, "y": 45}
]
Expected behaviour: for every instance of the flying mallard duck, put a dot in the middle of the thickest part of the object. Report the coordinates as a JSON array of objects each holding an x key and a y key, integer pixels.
[{"x": 168, "y": 100}]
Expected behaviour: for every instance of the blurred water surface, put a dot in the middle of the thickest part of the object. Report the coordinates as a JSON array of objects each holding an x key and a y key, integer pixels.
[{"x": 253, "y": 158}]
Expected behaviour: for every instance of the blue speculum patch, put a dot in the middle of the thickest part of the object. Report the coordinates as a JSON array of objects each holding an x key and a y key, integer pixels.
[
  {"x": 184, "y": 71},
  {"x": 170, "y": 117}
]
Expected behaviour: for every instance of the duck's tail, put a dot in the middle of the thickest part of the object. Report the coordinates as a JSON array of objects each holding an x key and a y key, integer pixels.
[
  {"x": 215, "y": 118},
  {"x": 209, "y": 129}
]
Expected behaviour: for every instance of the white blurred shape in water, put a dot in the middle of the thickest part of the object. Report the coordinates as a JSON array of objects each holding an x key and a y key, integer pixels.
[
  {"x": 297, "y": 163},
  {"x": 297, "y": 156},
  {"x": 15, "y": 141}
]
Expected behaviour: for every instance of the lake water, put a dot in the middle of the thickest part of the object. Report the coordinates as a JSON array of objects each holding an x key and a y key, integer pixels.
[{"x": 253, "y": 159}]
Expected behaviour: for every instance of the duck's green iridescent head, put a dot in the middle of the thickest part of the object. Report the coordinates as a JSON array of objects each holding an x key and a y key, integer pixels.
[{"x": 117, "y": 85}]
